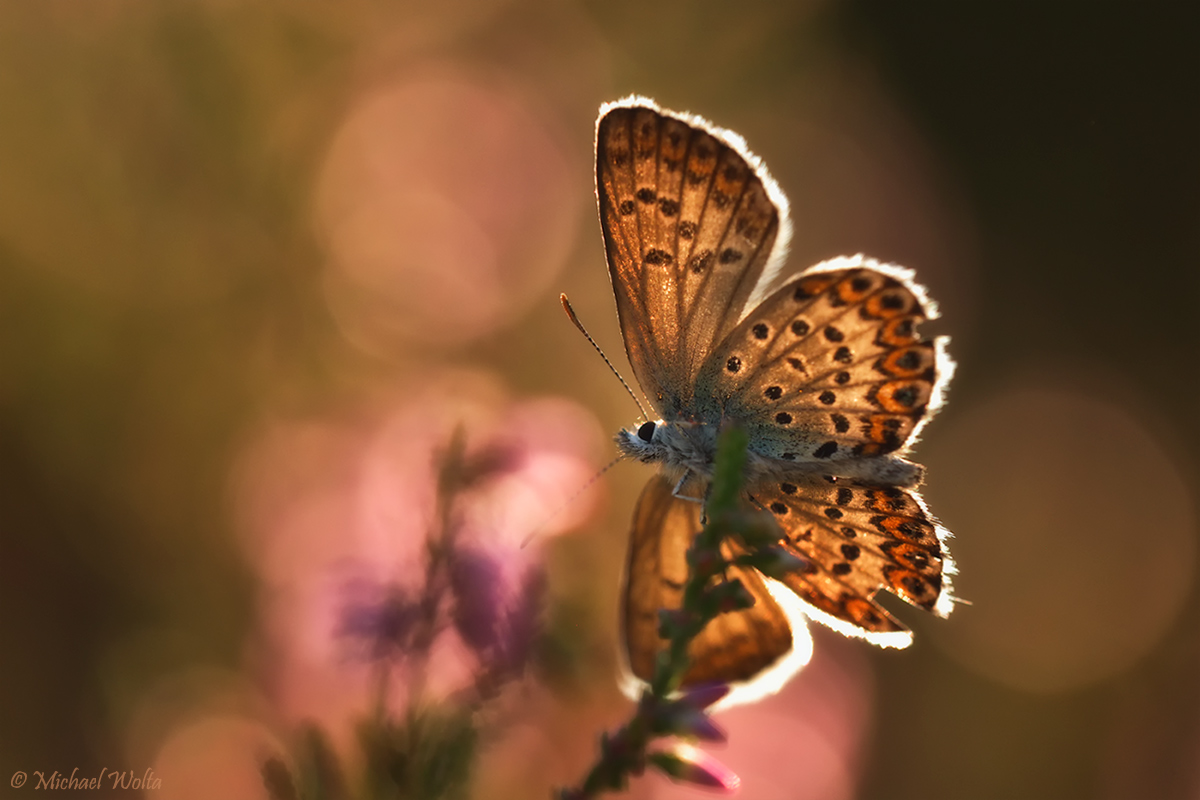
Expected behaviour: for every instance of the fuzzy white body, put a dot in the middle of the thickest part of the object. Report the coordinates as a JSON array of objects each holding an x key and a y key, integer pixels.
[{"x": 686, "y": 449}]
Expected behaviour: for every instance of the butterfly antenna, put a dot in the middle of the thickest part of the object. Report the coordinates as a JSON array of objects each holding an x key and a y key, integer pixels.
[
  {"x": 591, "y": 481},
  {"x": 566, "y": 304}
]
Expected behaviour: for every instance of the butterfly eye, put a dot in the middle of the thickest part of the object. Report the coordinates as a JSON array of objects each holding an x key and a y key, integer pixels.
[{"x": 646, "y": 432}]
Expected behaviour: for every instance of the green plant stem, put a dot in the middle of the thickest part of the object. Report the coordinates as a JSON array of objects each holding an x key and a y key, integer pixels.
[{"x": 623, "y": 752}]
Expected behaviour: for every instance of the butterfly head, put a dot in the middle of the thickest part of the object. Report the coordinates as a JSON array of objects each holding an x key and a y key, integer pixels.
[
  {"x": 674, "y": 444},
  {"x": 643, "y": 442}
]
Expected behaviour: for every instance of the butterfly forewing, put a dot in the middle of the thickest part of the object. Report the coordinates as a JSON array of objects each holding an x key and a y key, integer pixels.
[
  {"x": 830, "y": 367},
  {"x": 690, "y": 226},
  {"x": 733, "y": 647}
]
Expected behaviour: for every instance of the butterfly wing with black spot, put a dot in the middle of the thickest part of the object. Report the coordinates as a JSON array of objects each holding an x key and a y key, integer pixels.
[
  {"x": 831, "y": 367},
  {"x": 733, "y": 647},
  {"x": 692, "y": 225},
  {"x": 859, "y": 538}
]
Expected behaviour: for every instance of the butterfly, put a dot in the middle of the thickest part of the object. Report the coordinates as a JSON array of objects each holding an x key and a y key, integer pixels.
[{"x": 824, "y": 370}]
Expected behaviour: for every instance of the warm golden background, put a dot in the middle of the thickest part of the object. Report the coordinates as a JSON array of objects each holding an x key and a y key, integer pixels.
[{"x": 257, "y": 259}]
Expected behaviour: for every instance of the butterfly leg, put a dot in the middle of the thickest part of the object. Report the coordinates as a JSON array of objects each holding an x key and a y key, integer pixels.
[{"x": 690, "y": 487}]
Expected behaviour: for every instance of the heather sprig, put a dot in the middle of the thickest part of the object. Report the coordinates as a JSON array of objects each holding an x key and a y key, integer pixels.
[
  {"x": 425, "y": 749},
  {"x": 663, "y": 712}
]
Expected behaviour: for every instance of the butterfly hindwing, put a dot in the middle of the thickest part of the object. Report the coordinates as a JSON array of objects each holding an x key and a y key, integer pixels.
[
  {"x": 733, "y": 647},
  {"x": 858, "y": 538},
  {"x": 691, "y": 224},
  {"x": 830, "y": 366}
]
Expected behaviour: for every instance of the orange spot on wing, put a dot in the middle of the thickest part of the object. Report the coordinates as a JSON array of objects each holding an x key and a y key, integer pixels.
[
  {"x": 730, "y": 184},
  {"x": 674, "y": 142},
  {"x": 885, "y": 306},
  {"x": 888, "y": 501},
  {"x": 910, "y": 585},
  {"x": 907, "y": 362},
  {"x": 645, "y": 134},
  {"x": 703, "y": 158},
  {"x": 815, "y": 284},
  {"x": 902, "y": 397},
  {"x": 865, "y": 614},
  {"x": 899, "y": 332},
  {"x": 905, "y": 529},
  {"x": 883, "y": 432},
  {"x": 818, "y": 600},
  {"x": 911, "y": 556},
  {"x": 847, "y": 293}
]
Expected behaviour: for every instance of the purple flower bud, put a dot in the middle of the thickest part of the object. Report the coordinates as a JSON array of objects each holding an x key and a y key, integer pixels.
[
  {"x": 692, "y": 722},
  {"x": 679, "y": 718},
  {"x": 701, "y": 726},
  {"x": 377, "y": 618},
  {"x": 496, "y": 613},
  {"x": 703, "y": 695},
  {"x": 522, "y": 621},
  {"x": 686, "y": 764},
  {"x": 477, "y": 581}
]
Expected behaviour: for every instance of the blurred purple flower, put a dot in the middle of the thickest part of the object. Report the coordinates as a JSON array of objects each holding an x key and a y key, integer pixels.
[
  {"x": 369, "y": 491},
  {"x": 477, "y": 581},
  {"x": 496, "y": 611},
  {"x": 524, "y": 617},
  {"x": 377, "y": 619}
]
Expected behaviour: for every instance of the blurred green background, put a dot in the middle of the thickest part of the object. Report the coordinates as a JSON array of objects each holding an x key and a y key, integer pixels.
[{"x": 196, "y": 243}]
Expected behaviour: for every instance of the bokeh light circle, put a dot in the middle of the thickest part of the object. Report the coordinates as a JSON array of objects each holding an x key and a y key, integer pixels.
[
  {"x": 446, "y": 206},
  {"x": 215, "y": 756},
  {"x": 1075, "y": 537}
]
